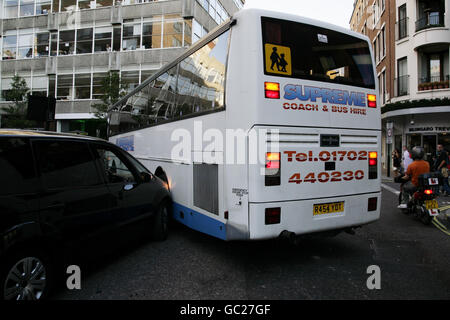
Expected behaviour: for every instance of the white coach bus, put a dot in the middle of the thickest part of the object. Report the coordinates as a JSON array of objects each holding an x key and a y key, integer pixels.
[{"x": 305, "y": 89}]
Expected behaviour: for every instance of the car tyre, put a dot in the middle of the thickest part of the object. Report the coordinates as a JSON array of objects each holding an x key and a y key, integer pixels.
[
  {"x": 160, "y": 223},
  {"x": 26, "y": 276}
]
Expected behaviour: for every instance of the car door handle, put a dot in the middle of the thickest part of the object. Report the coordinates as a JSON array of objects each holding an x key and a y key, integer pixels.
[{"x": 56, "y": 206}]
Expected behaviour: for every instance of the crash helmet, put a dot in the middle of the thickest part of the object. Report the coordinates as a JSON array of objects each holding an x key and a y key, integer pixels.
[{"x": 417, "y": 153}]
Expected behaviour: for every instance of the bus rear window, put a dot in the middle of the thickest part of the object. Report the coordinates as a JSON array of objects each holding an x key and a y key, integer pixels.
[{"x": 304, "y": 51}]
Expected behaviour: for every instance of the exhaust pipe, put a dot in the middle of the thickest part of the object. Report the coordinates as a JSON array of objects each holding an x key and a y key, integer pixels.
[
  {"x": 288, "y": 235},
  {"x": 351, "y": 230}
]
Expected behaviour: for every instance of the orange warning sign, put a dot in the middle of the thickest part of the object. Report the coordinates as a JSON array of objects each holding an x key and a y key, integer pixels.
[{"x": 278, "y": 59}]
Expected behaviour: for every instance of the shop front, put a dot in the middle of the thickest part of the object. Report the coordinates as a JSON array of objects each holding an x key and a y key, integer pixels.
[{"x": 415, "y": 127}]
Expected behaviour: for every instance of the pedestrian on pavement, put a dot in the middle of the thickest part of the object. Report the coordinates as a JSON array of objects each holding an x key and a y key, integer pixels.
[
  {"x": 397, "y": 161},
  {"x": 440, "y": 166},
  {"x": 407, "y": 160}
]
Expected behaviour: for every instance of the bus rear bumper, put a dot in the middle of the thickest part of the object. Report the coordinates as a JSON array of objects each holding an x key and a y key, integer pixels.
[{"x": 298, "y": 216}]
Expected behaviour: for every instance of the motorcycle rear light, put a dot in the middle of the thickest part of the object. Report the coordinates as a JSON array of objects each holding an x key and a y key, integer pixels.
[
  {"x": 373, "y": 165},
  {"x": 372, "y": 204},
  {"x": 273, "y": 169},
  {"x": 272, "y": 90},
  {"x": 273, "y": 215},
  {"x": 428, "y": 192}
]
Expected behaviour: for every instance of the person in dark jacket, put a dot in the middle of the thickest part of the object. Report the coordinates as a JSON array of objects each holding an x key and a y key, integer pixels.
[
  {"x": 396, "y": 161},
  {"x": 440, "y": 166}
]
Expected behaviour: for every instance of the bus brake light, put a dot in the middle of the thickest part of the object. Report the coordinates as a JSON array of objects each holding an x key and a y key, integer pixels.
[
  {"x": 272, "y": 90},
  {"x": 372, "y": 100},
  {"x": 273, "y": 216},
  {"x": 372, "y": 204},
  {"x": 273, "y": 169},
  {"x": 373, "y": 165},
  {"x": 273, "y": 156}
]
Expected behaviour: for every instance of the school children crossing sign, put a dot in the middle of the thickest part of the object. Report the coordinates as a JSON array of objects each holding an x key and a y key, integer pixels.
[{"x": 278, "y": 59}]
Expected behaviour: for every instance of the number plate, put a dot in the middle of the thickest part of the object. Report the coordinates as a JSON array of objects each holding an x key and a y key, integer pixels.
[
  {"x": 431, "y": 204},
  {"x": 326, "y": 208}
]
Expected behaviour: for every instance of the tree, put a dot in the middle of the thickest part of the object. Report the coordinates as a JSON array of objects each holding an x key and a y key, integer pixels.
[
  {"x": 113, "y": 89},
  {"x": 16, "y": 113}
]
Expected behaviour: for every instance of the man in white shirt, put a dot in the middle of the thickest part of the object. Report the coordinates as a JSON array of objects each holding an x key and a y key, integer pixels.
[{"x": 406, "y": 159}]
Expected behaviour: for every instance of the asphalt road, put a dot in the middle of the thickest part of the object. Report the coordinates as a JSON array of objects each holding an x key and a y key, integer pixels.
[{"x": 414, "y": 260}]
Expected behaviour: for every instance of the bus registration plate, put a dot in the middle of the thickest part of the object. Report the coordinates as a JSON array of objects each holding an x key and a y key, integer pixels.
[{"x": 326, "y": 208}]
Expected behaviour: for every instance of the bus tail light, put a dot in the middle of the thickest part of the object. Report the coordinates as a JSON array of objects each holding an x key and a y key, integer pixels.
[
  {"x": 372, "y": 205},
  {"x": 273, "y": 215},
  {"x": 273, "y": 169},
  {"x": 372, "y": 100},
  {"x": 373, "y": 165},
  {"x": 272, "y": 90}
]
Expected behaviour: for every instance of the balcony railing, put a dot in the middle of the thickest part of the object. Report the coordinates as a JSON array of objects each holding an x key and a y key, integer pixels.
[
  {"x": 432, "y": 83},
  {"x": 401, "y": 86},
  {"x": 401, "y": 29},
  {"x": 430, "y": 20}
]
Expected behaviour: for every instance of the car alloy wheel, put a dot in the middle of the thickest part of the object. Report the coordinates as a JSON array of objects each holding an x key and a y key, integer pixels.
[
  {"x": 26, "y": 280},
  {"x": 164, "y": 220}
]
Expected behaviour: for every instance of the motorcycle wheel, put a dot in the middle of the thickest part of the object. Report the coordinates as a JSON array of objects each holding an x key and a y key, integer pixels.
[{"x": 425, "y": 217}]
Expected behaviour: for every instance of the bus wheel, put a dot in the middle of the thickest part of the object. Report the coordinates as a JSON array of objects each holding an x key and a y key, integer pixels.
[{"x": 160, "y": 223}]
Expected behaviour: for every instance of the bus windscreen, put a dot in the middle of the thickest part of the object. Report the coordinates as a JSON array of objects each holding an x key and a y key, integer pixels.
[{"x": 304, "y": 51}]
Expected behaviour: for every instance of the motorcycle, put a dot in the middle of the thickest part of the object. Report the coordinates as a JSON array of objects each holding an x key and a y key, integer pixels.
[{"x": 423, "y": 204}]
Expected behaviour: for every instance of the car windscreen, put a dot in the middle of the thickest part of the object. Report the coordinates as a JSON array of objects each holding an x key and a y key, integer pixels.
[{"x": 304, "y": 51}]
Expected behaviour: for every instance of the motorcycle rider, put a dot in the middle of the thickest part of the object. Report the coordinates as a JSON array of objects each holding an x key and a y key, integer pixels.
[{"x": 415, "y": 169}]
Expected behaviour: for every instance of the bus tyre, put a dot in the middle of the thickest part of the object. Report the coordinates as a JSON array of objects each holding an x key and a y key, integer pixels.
[
  {"x": 26, "y": 276},
  {"x": 160, "y": 223}
]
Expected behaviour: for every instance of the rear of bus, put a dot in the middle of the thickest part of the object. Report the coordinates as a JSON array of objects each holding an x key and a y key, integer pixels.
[{"x": 312, "y": 87}]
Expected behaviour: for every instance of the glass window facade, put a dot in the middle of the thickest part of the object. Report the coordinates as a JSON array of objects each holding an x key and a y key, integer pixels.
[
  {"x": 24, "y": 8},
  {"x": 216, "y": 10},
  {"x": 103, "y": 39},
  {"x": 193, "y": 87},
  {"x": 64, "y": 88},
  {"x": 84, "y": 40},
  {"x": 163, "y": 32},
  {"x": 83, "y": 86}
]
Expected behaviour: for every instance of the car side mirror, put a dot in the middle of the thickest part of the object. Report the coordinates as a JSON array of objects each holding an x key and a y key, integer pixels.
[{"x": 146, "y": 177}]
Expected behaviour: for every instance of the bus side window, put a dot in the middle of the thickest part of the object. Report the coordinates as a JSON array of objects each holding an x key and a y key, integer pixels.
[
  {"x": 162, "y": 96},
  {"x": 202, "y": 77}
]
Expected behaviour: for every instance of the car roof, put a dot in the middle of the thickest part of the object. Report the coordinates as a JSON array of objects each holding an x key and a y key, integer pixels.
[{"x": 44, "y": 134}]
